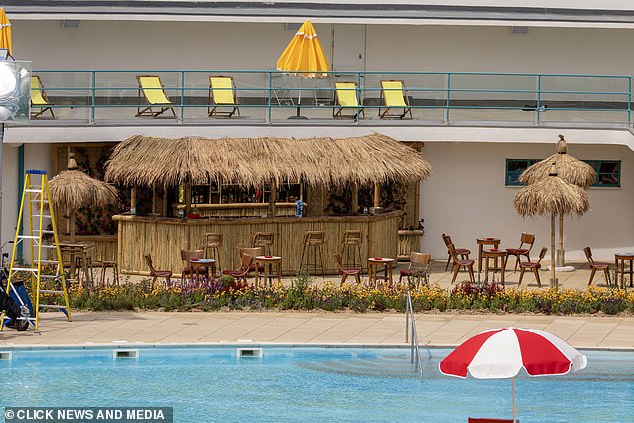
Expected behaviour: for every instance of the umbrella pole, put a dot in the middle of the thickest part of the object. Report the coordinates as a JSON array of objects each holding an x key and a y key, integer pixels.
[
  {"x": 553, "y": 279},
  {"x": 560, "y": 251},
  {"x": 513, "y": 396}
]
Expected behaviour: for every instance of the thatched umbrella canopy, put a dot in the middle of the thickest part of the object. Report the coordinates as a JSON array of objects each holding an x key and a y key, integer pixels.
[
  {"x": 144, "y": 161},
  {"x": 73, "y": 189},
  {"x": 570, "y": 169},
  {"x": 553, "y": 196}
]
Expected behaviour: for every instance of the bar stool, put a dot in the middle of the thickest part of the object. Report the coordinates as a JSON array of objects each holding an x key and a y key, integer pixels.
[
  {"x": 351, "y": 246},
  {"x": 211, "y": 244},
  {"x": 313, "y": 240},
  {"x": 264, "y": 240},
  {"x": 105, "y": 264}
]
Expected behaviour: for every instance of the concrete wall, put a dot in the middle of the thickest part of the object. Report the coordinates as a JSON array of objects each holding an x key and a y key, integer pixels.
[
  {"x": 466, "y": 198},
  {"x": 199, "y": 45}
]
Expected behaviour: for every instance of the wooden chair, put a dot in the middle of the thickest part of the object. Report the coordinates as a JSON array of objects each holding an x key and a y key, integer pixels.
[
  {"x": 526, "y": 245},
  {"x": 187, "y": 256},
  {"x": 155, "y": 274},
  {"x": 345, "y": 272},
  {"x": 351, "y": 248},
  {"x": 39, "y": 99},
  {"x": 254, "y": 252},
  {"x": 222, "y": 94},
  {"x": 419, "y": 267},
  {"x": 211, "y": 244},
  {"x": 347, "y": 98},
  {"x": 462, "y": 252},
  {"x": 245, "y": 264},
  {"x": 460, "y": 262},
  {"x": 597, "y": 265},
  {"x": 394, "y": 96},
  {"x": 264, "y": 240},
  {"x": 534, "y": 266},
  {"x": 152, "y": 92}
]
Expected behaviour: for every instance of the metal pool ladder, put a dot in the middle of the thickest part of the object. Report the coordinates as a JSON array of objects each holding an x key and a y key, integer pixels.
[{"x": 415, "y": 348}]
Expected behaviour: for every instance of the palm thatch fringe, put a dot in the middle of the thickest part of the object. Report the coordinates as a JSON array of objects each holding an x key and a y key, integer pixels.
[
  {"x": 143, "y": 161},
  {"x": 568, "y": 167},
  {"x": 74, "y": 189},
  {"x": 551, "y": 195}
]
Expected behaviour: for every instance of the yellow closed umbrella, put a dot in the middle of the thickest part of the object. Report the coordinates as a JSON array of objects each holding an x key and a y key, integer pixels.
[
  {"x": 304, "y": 56},
  {"x": 6, "y": 40}
]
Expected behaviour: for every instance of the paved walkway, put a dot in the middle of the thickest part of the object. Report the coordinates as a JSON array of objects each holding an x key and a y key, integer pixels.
[{"x": 441, "y": 329}]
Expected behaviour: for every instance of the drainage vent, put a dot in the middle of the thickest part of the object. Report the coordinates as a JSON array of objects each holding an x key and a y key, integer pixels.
[
  {"x": 125, "y": 354},
  {"x": 6, "y": 355},
  {"x": 250, "y": 352}
]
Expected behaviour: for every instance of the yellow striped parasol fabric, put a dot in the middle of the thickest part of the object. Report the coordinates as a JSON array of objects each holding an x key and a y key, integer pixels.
[
  {"x": 6, "y": 40},
  {"x": 304, "y": 56}
]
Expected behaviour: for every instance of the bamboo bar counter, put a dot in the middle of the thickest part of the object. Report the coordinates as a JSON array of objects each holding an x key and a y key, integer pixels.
[{"x": 164, "y": 238}]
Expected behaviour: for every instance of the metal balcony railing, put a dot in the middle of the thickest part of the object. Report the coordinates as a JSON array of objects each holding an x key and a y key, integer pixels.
[{"x": 111, "y": 97}]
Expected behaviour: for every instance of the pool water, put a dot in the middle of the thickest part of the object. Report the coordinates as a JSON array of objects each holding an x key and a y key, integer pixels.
[{"x": 210, "y": 384}]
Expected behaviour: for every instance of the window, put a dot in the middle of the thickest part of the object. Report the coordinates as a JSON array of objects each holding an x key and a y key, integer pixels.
[
  {"x": 608, "y": 172},
  {"x": 514, "y": 168}
]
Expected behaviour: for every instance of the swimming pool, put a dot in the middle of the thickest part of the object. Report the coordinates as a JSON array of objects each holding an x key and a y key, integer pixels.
[{"x": 209, "y": 384}]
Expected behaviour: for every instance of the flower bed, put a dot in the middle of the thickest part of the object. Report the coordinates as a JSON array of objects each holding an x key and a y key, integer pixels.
[{"x": 303, "y": 295}]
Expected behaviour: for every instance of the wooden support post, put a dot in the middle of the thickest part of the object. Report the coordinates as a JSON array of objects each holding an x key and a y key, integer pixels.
[
  {"x": 377, "y": 194},
  {"x": 133, "y": 201},
  {"x": 355, "y": 199}
]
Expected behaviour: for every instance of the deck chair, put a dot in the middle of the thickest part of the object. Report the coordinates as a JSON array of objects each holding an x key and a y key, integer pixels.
[
  {"x": 222, "y": 93},
  {"x": 394, "y": 96},
  {"x": 152, "y": 91},
  {"x": 347, "y": 98},
  {"x": 39, "y": 99}
]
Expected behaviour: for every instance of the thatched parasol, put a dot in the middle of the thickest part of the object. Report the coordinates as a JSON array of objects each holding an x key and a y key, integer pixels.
[
  {"x": 73, "y": 189},
  {"x": 571, "y": 170},
  {"x": 551, "y": 195},
  {"x": 144, "y": 161}
]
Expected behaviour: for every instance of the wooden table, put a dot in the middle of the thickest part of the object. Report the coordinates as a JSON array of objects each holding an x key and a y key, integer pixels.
[
  {"x": 495, "y": 255},
  {"x": 374, "y": 263},
  {"x": 621, "y": 258},
  {"x": 268, "y": 262},
  {"x": 493, "y": 242},
  {"x": 203, "y": 266},
  {"x": 81, "y": 251}
]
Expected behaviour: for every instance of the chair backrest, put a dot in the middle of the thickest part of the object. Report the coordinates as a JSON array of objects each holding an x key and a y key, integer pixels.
[
  {"x": 346, "y": 94},
  {"x": 148, "y": 260},
  {"x": 352, "y": 236},
  {"x": 252, "y": 251},
  {"x": 153, "y": 89},
  {"x": 588, "y": 252},
  {"x": 187, "y": 255},
  {"x": 447, "y": 240},
  {"x": 542, "y": 254},
  {"x": 338, "y": 260},
  {"x": 222, "y": 89},
  {"x": 452, "y": 252},
  {"x": 527, "y": 239},
  {"x": 393, "y": 93},
  {"x": 246, "y": 260},
  {"x": 419, "y": 258},
  {"x": 212, "y": 240},
  {"x": 314, "y": 237},
  {"x": 38, "y": 96},
  {"x": 263, "y": 239}
]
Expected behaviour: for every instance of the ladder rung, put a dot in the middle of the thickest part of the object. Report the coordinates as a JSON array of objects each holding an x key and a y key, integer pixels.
[
  {"x": 51, "y": 306},
  {"x": 50, "y": 291},
  {"x": 25, "y": 269},
  {"x": 49, "y": 276},
  {"x": 35, "y": 189},
  {"x": 28, "y": 237}
]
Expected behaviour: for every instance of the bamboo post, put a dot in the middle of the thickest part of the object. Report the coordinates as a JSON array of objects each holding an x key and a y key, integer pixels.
[
  {"x": 154, "y": 199},
  {"x": 377, "y": 194},
  {"x": 272, "y": 208},
  {"x": 553, "y": 278},
  {"x": 561, "y": 254},
  {"x": 72, "y": 223},
  {"x": 133, "y": 201},
  {"x": 164, "y": 213},
  {"x": 355, "y": 199},
  {"x": 188, "y": 198}
]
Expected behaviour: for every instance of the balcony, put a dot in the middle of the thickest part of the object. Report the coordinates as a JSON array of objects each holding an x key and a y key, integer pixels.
[{"x": 111, "y": 98}]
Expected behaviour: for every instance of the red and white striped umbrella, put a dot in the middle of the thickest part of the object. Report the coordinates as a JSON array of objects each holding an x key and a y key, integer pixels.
[{"x": 502, "y": 353}]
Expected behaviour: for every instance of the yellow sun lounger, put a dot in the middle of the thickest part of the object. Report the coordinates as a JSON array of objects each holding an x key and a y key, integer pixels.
[
  {"x": 346, "y": 98},
  {"x": 39, "y": 99},
  {"x": 394, "y": 96},
  {"x": 152, "y": 91},
  {"x": 222, "y": 94}
]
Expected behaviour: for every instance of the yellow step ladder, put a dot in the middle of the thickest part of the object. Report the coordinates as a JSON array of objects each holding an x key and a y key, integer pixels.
[{"x": 46, "y": 271}]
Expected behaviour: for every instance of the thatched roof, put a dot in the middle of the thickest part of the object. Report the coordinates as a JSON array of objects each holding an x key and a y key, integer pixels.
[
  {"x": 551, "y": 195},
  {"x": 74, "y": 189},
  {"x": 569, "y": 168},
  {"x": 144, "y": 161}
]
